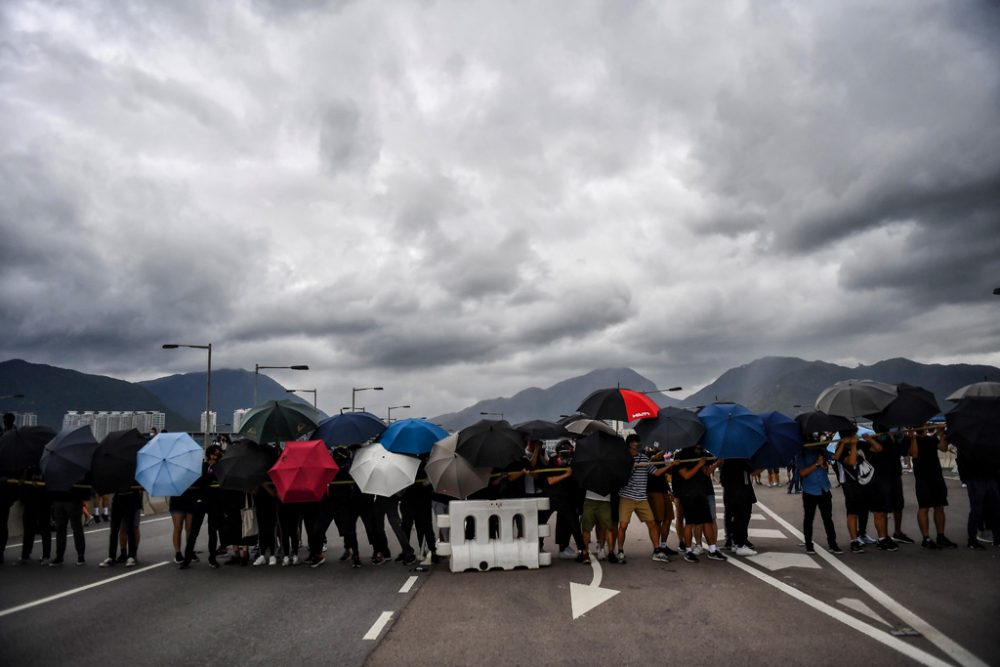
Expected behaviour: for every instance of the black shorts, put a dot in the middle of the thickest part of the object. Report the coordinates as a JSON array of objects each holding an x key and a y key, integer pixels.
[
  {"x": 696, "y": 509},
  {"x": 931, "y": 492},
  {"x": 855, "y": 501},
  {"x": 879, "y": 494}
]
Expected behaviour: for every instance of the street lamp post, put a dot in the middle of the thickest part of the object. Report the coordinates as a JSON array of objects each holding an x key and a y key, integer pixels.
[
  {"x": 355, "y": 390},
  {"x": 388, "y": 416},
  {"x": 304, "y": 391},
  {"x": 256, "y": 371},
  {"x": 208, "y": 383},
  {"x": 493, "y": 414}
]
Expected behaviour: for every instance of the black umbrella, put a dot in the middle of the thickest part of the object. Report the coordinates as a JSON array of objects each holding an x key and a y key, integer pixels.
[
  {"x": 66, "y": 459},
  {"x": 673, "y": 428},
  {"x": 601, "y": 463},
  {"x": 820, "y": 422},
  {"x": 854, "y": 398},
  {"x": 244, "y": 465},
  {"x": 491, "y": 443},
  {"x": 539, "y": 429},
  {"x": 913, "y": 406},
  {"x": 21, "y": 448},
  {"x": 622, "y": 405},
  {"x": 113, "y": 465},
  {"x": 974, "y": 427}
]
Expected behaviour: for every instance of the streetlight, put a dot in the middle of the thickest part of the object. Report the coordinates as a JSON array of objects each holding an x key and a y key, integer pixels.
[
  {"x": 355, "y": 390},
  {"x": 493, "y": 414},
  {"x": 653, "y": 391},
  {"x": 388, "y": 416},
  {"x": 208, "y": 383},
  {"x": 304, "y": 391},
  {"x": 256, "y": 372}
]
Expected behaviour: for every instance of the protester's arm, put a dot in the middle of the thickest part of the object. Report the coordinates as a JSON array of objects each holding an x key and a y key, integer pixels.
[{"x": 688, "y": 473}]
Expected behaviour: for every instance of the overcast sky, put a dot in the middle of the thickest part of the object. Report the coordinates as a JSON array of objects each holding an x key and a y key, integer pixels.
[{"x": 458, "y": 200}]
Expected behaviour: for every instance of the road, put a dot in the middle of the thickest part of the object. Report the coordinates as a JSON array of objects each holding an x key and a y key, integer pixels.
[{"x": 908, "y": 607}]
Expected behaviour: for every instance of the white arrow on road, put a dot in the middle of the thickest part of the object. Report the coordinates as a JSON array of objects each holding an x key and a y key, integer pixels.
[{"x": 584, "y": 598}]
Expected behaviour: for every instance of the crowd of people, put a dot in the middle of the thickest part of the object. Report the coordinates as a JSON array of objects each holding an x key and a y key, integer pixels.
[{"x": 666, "y": 491}]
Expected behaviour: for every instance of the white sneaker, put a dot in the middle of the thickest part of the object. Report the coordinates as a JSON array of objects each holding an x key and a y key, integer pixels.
[
  {"x": 567, "y": 554},
  {"x": 698, "y": 550},
  {"x": 272, "y": 561},
  {"x": 285, "y": 561},
  {"x": 602, "y": 553},
  {"x": 130, "y": 562},
  {"x": 744, "y": 551},
  {"x": 261, "y": 560},
  {"x": 107, "y": 562},
  {"x": 295, "y": 559}
]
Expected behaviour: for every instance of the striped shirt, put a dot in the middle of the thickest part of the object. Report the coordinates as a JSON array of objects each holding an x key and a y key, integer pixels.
[{"x": 636, "y": 487}]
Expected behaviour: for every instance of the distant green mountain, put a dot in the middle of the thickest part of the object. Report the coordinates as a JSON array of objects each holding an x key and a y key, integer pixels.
[{"x": 50, "y": 392}]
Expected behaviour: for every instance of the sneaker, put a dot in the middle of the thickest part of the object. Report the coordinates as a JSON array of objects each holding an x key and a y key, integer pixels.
[
  {"x": 347, "y": 554},
  {"x": 857, "y": 548},
  {"x": 690, "y": 557},
  {"x": 945, "y": 543},
  {"x": 667, "y": 550},
  {"x": 273, "y": 560},
  {"x": 902, "y": 538},
  {"x": 122, "y": 557},
  {"x": 409, "y": 559},
  {"x": 698, "y": 550},
  {"x": 213, "y": 563},
  {"x": 928, "y": 543},
  {"x": 356, "y": 561},
  {"x": 867, "y": 539},
  {"x": 887, "y": 544},
  {"x": 602, "y": 553},
  {"x": 621, "y": 557},
  {"x": 56, "y": 562},
  {"x": 744, "y": 551},
  {"x": 285, "y": 561},
  {"x": 661, "y": 557},
  {"x": 985, "y": 536},
  {"x": 567, "y": 554},
  {"x": 750, "y": 544},
  {"x": 107, "y": 562},
  {"x": 378, "y": 559},
  {"x": 43, "y": 561},
  {"x": 716, "y": 555},
  {"x": 295, "y": 559},
  {"x": 976, "y": 545},
  {"x": 80, "y": 561},
  {"x": 835, "y": 549},
  {"x": 261, "y": 560},
  {"x": 612, "y": 557},
  {"x": 810, "y": 549},
  {"x": 179, "y": 557},
  {"x": 318, "y": 560}
]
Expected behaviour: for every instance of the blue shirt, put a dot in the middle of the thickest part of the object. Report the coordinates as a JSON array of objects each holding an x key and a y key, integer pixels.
[{"x": 817, "y": 482}]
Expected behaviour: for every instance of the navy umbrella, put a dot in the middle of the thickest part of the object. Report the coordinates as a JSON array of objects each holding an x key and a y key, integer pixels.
[
  {"x": 673, "y": 428},
  {"x": 973, "y": 427},
  {"x": 350, "y": 428},
  {"x": 113, "y": 465},
  {"x": 784, "y": 441},
  {"x": 67, "y": 457},
  {"x": 21, "y": 449},
  {"x": 913, "y": 406},
  {"x": 733, "y": 432},
  {"x": 490, "y": 443},
  {"x": 601, "y": 463},
  {"x": 539, "y": 429}
]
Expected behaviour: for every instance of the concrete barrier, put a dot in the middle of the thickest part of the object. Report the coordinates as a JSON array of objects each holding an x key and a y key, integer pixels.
[{"x": 494, "y": 534}]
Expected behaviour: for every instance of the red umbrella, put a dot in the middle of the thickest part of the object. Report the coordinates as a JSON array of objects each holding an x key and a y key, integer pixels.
[
  {"x": 303, "y": 471},
  {"x": 622, "y": 405}
]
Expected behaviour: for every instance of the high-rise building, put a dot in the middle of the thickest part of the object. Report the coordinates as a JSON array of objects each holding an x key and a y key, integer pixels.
[
  {"x": 238, "y": 416},
  {"x": 25, "y": 419},
  {"x": 212, "y": 421},
  {"x": 104, "y": 422}
]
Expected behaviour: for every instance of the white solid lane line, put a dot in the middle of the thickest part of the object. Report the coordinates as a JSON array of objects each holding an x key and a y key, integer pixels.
[
  {"x": 378, "y": 626},
  {"x": 74, "y": 591},
  {"x": 408, "y": 585},
  {"x": 935, "y": 636},
  {"x": 89, "y": 532}
]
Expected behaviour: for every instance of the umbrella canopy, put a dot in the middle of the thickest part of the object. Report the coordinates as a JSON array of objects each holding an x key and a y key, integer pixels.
[
  {"x": 587, "y": 426},
  {"x": 381, "y": 472},
  {"x": 168, "y": 464},
  {"x": 491, "y": 443},
  {"x": 278, "y": 421},
  {"x": 672, "y": 429},
  {"x": 350, "y": 428},
  {"x": 113, "y": 465},
  {"x": 67, "y": 457},
  {"x": 411, "y": 436},
  {"x": 539, "y": 429},
  {"x": 820, "y": 422},
  {"x": 451, "y": 474},
  {"x": 784, "y": 441},
  {"x": 913, "y": 406},
  {"x": 622, "y": 405},
  {"x": 974, "y": 427},
  {"x": 981, "y": 389},
  {"x": 245, "y": 465},
  {"x": 303, "y": 471},
  {"x": 601, "y": 463},
  {"x": 21, "y": 448},
  {"x": 733, "y": 432},
  {"x": 862, "y": 430},
  {"x": 854, "y": 398}
]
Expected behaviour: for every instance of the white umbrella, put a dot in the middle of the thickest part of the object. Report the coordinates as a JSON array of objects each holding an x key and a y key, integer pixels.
[
  {"x": 451, "y": 473},
  {"x": 381, "y": 472}
]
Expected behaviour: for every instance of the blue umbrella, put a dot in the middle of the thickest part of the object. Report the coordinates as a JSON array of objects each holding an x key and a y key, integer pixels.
[
  {"x": 168, "y": 464},
  {"x": 862, "y": 431},
  {"x": 412, "y": 436},
  {"x": 784, "y": 441},
  {"x": 351, "y": 428},
  {"x": 732, "y": 431}
]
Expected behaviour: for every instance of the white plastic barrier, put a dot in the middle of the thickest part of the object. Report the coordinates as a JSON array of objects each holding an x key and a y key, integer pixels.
[{"x": 494, "y": 534}]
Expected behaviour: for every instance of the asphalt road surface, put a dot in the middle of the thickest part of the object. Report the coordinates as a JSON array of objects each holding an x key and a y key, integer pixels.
[{"x": 783, "y": 606}]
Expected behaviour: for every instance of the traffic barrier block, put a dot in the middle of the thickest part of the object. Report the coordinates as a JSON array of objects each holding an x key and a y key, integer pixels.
[{"x": 494, "y": 534}]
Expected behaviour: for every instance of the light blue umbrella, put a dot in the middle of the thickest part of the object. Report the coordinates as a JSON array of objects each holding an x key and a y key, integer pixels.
[
  {"x": 862, "y": 431},
  {"x": 733, "y": 432},
  {"x": 412, "y": 436},
  {"x": 168, "y": 464}
]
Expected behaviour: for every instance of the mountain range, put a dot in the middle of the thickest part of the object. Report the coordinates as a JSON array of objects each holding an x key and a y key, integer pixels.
[{"x": 787, "y": 384}]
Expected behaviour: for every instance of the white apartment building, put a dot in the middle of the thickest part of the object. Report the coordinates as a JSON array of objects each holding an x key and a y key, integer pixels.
[{"x": 104, "y": 422}]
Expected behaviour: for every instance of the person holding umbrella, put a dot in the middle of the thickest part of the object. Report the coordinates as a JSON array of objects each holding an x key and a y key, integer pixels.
[
  {"x": 632, "y": 499},
  {"x": 932, "y": 492},
  {"x": 66, "y": 509},
  {"x": 849, "y": 457},
  {"x": 693, "y": 486},
  {"x": 813, "y": 469}
]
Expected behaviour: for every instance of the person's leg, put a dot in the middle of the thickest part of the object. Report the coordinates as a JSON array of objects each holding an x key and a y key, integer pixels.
[
  {"x": 424, "y": 522},
  {"x": 116, "y": 527},
  {"x": 130, "y": 525},
  {"x": 392, "y": 514},
  {"x": 62, "y": 509},
  {"x": 939, "y": 520},
  {"x": 923, "y": 522},
  {"x": 728, "y": 519},
  {"x": 809, "y": 503},
  {"x": 7, "y": 499},
  {"x": 44, "y": 515},
  {"x": 977, "y": 495},
  {"x": 826, "y": 515},
  {"x": 177, "y": 518},
  {"x": 741, "y": 524},
  {"x": 76, "y": 523},
  {"x": 29, "y": 524}
]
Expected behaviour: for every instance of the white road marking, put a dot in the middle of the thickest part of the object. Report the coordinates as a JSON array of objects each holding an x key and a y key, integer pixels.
[
  {"x": 378, "y": 626},
  {"x": 776, "y": 560},
  {"x": 882, "y": 636},
  {"x": 762, "y": 533},
  {"x": 862, "y": 608},
  {"x": 758, "y": 517},
  {"x": 87, "y": 532},
  {"x": 584, "y": 598},
  {"x": 935, "y": 636},
  {"x": 408, "y": 585},
  {"x": 74, "y": 591}
]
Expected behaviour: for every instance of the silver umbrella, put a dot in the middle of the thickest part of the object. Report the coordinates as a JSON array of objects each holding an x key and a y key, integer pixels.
[
  {"x": 451, "y": 473},
  {"x": 983, "y": 389},
  {"x": 381, "y": 472},
  {"x": 855, "y": 398}
]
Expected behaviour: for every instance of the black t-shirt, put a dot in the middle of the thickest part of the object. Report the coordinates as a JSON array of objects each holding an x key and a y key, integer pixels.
[
  {"x": 657, "y": 483},
  {"x": 887, "y": 462},
  {"x": 927, "y": 465},
  {"x": 699, "y": 484}
]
